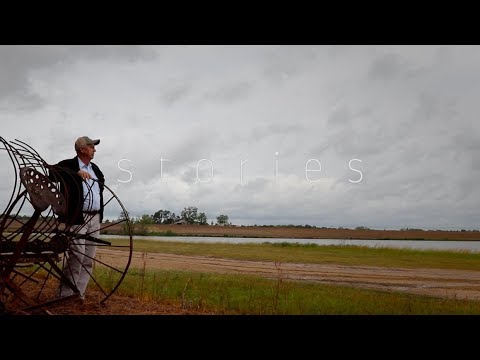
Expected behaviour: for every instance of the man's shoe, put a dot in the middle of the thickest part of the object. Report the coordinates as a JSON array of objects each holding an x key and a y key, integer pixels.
[{"x": 80, "y": 300}]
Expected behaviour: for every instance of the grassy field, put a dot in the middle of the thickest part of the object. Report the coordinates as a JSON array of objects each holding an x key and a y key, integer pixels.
[
  {"x": 312, "y": 253},
  {"x": 237, "y": 294},
  {"x": 244, "y": 294}
]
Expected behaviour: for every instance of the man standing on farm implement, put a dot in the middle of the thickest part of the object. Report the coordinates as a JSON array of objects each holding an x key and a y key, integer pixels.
[{"x": 81, "y": 183}]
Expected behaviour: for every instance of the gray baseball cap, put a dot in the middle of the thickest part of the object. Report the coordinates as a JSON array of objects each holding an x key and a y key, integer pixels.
[{"x": 84, "y": 141}]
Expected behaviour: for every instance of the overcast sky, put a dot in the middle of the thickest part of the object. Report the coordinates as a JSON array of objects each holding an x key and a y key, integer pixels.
[{"x": 245, "y": 130}]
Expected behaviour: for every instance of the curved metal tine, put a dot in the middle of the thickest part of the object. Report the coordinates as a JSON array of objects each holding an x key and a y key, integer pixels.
[
  {"x": 130, "y": 247},
  {"x": 16, "y": 157},
  {"x": 9, "y": 149},
  {"x": 11, "y": 219},
  {"x": 91, "y": 202},
  {"x": 28, "y": 149},
  {"x": 43, "y": 226},
  {"x": 25, "y": 155},
  {"x": 106, "y": 203},
  {"x": 87, "y": 195},
  {"x": 35, "y": 152},
  {"x": 28, "y": 156},
  {"x": 114, "y": 196},
  {"x": 19, "y": 149}
]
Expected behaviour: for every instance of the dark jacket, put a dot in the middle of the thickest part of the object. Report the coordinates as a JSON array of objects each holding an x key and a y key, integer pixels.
[{"x": 71, "y": 187}]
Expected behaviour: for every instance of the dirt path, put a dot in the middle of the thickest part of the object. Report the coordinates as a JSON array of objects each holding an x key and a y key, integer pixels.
[{"x": 460, "y": 284}]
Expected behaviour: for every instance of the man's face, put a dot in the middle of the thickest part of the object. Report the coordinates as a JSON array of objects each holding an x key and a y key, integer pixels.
[{"x": 89, "y": 151}]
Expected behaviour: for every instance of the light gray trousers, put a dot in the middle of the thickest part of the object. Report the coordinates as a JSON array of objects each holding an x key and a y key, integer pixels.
[{"x": 79, "y": 264}]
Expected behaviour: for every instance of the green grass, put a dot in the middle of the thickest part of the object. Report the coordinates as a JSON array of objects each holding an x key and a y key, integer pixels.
[
  {"x": 236, "y": 294},
  {"x": 312, "y": 253},
  {"x": 240, "y": 294}
]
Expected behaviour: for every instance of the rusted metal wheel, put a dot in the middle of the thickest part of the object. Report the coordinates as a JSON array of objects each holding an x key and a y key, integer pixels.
[{"x": 34, "y": 244}]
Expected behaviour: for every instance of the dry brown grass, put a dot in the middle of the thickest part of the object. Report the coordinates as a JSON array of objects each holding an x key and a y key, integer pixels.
[
  {"x": 120, "y": 305},
  {"x": 115, "y": 305},
  {"x": 297, "y": 232}
]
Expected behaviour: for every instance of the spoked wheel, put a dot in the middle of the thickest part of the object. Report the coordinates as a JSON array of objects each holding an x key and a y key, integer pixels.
[
  {"x": 112, "y": 256},
  {"x": 33, "y": 255},
  {"x": 29, "y": 248},
  {"x": 34, "y": 245}
]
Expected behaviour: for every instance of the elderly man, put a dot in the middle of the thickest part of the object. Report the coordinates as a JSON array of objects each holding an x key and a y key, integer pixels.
[{"x": 81, "y": 183}]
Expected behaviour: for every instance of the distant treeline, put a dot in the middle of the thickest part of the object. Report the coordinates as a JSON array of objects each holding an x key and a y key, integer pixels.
[{"x": 191, "y": 216}]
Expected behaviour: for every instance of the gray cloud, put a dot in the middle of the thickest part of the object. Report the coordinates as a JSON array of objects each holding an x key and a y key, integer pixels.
[
  {"x": 276, "y": 130},
  {"x": 18, "y": 62},
  {"x": 408, "y": 112},
  {"x": 386, "y": 67},
  {"x": 175, "y": 93},
  {"x": 230, "y": 93}
]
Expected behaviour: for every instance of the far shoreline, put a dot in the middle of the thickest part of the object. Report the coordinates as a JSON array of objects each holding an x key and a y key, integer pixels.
[{"x": 294, "y": 232}]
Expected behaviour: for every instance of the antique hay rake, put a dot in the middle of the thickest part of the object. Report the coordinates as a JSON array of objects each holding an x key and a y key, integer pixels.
[{"x": 34, "y": 244}]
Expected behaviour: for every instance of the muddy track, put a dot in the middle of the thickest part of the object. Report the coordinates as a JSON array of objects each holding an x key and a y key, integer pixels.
[{"x": 459, "y": 284}]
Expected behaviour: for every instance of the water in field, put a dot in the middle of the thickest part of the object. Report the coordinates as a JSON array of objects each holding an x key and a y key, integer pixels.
[{"x": 473, "y": 246}]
